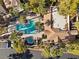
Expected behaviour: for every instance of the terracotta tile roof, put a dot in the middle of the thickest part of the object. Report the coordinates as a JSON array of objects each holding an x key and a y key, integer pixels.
[
  {"x": 56, "y": 34},
  {"x": 63, "y": 34}
]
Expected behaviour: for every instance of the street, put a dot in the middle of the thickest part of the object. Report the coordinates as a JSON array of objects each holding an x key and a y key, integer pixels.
[{"x": 5, "y": 54}]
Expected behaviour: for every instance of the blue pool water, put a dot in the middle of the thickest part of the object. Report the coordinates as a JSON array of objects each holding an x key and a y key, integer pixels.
[
  {"x": 29, "y": 40},
  {"x": 28, "y": 28}
]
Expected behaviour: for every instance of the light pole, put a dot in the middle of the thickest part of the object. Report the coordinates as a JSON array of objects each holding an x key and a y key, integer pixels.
[
  {"x": 77, "y": 14},
  {"x": 51, "y": 8},
  {"x": 68, "y": 16}
]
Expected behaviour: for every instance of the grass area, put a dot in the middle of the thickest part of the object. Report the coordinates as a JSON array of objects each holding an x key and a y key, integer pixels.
[
  {"x": 74, "y": 52},
  {"x": 2, "y": 30},
  {"x": 73, "y": 47}
]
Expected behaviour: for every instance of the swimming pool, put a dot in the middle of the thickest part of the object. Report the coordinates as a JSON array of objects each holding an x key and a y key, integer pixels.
[
  {"x": 28, "y": 28},
  {"x": 29, "y": 41}
]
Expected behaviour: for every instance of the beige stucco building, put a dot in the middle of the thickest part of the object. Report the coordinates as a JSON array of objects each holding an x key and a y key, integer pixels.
[
  {"x": 15, "y": 4},
  {"x": 11, "y": 3}
]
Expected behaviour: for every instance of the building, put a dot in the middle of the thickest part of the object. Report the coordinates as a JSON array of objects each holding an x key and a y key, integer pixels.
[
  {"x": 15, "y": 4},
  {"x": 2, "y": 11},
  {"x": 3, "y": 16},
  {"x": 55, "y": 35},
  {"x": 4, "y": 42},
  {"x": 11, "y": 3}
]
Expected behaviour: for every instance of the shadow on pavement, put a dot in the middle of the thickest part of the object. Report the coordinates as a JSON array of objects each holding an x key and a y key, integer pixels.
[
  {"x": 69, "y": 56},
  {"x": 26, "y": 55}
]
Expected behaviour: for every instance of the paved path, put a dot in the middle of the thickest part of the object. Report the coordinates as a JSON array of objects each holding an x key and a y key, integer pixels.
[
  {"x": 4, "y": 53},
  {"x": 59, "y": 20},
  {"x": 36, "y": 55}
]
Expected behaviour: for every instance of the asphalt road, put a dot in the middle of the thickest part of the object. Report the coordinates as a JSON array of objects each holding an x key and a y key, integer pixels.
[{"x": 5, "y": 54}]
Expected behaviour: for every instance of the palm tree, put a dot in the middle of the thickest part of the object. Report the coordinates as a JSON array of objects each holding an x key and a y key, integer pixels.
[
  {"x": 66, "y": 9},
  {"x": 73, "y": 47},
  {"x": 13, "y": 12},
  {"x": 22, "y": 19},
  {"x": 77, "y": 25},
  {"x": 46, "y": 52},
  {"x": 39, "y": 26},
  {"x": 53, "y": 52},
  {"x": 51, "y": 8},
  {"x": 18, "y": 43},
  {"x": 19, "y": 46},
  {"x": 56, "y": 52},
  {"x": 13, "y": 36}
]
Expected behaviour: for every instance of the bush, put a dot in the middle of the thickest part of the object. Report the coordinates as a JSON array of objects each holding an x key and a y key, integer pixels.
[{"x": 44, "y": 36}]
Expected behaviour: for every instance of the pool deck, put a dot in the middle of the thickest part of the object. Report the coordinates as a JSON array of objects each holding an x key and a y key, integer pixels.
[{"x": 32, "y": 35}]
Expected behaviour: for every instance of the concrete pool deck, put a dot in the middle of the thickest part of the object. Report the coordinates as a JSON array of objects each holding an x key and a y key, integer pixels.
[{"x": 32, "y": 35}]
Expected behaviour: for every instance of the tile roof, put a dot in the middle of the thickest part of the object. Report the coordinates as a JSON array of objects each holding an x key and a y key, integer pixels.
[{"x": 2, "y": 10}]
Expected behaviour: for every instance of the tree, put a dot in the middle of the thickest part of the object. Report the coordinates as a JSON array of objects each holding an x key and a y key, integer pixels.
[
  {"x": 22, "y": 19},
  {"x": 19, "y": 46},
  {"x": 77, "y": 25},
  {"x": 2, "y": 30},
  {"x": 68, "y": 8},
  {"x": 56, "y": 53},
  {"x": 51, "y": 8},
  {"x": 39, "y": 26},
  {"x": 13, "y": 12},
  {"x": 46, "y": 52},
  {"x": 37, "y": 6},
  {"x": 18, "y": 43},
  {"x": 73, "y": 47},
  {"x": 25, "y": 6},
  {"x": 13, "y": 36}
]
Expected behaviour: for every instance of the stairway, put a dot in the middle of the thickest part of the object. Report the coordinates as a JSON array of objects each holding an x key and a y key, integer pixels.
[{"x": 73, "y": 26}]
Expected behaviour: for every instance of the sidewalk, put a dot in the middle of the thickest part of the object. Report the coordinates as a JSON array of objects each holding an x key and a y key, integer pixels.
[{"x": 36, "y": 49}]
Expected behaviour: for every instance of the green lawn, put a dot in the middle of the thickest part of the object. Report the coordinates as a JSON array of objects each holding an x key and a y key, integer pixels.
[{"x": 74, "y": 52}]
